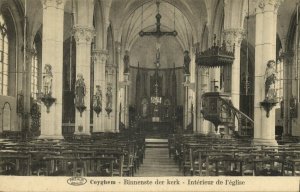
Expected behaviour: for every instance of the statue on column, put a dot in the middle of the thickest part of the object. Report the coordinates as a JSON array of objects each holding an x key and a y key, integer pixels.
[
  {"x": 126, "y": 61},
  {"x": 47, "y": 80},
  {"x": 270, "y": 80},
  {"x": 109, "y": 99},
  {"x": 144, "y": 108},
  {"x": 186, "y": 63},
  {"x": 293, "y": 107},
  {"x": 47, "y": 98},
  {"x": 97, "y": 100},
  {"x": 80, "y": 90}
]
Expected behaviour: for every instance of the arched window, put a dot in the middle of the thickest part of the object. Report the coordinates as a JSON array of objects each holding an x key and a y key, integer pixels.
[
  {"x": 34, "y": 73},
  {"x": 279, "y": 82},
  {"x": 3, "y": 57}
]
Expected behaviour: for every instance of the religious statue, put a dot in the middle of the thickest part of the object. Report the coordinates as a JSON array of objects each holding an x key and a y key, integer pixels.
[
  {"x": 97, "y": 100},
  {"x": 47, "y": 80},
  {"x": 109, "y": 99},
  {"x": 293, "y": 107},
  {"x": 80, "y": 90},
  {"x": 186, "y": 64},
  {"x": 126, "y": 61},
  {"x": 20, "y": 105},
  {"x": 157, "y": 56},
  {"x": 144, "y": 108},
  {"x": 270, "y": 80}
]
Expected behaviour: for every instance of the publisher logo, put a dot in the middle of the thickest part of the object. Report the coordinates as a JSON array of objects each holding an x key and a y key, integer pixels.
[{"x": 76, "y": 181}]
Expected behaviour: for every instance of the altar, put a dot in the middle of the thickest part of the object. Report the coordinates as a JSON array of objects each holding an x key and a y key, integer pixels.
[
  {"x": 156, "y": 97},
  {"x": 162, "y": 128},
  {"x": 159, "y": 118}
]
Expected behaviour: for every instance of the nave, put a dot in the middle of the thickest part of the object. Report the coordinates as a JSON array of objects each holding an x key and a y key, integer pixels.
[
  {"x": 84, "y": 85},
  {"x": 157, "y": 162},
  {"x": 134, "y": 155}
]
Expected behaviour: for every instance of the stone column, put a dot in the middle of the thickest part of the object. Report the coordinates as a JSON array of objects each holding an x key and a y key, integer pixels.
[
  {"x": 110, "y": 105},
  {"x": 29, "y": 56},
  {"x": 53, "y": 25},
  {"x": 121, "y": 83},
  {"x": 198, "y": 100},
  {"x": 203, "y": 76},
  {"x": 192, "y": 106},
  {"x": 264, "y": 127},
  {"x": 119, "y": 87},
  {"x": 186, "y": 85},
  {"x": 100, "y": 57},
  {"x": 233, "y": 39},
  {"x": 126, "y": 99},
  {"x": 26, "y": 116},
  {"x": 287, "y": 91},
  {"x": 83, "y": 36}
]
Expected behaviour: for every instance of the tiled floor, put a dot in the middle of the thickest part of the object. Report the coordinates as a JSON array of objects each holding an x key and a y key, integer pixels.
[{"x": 157, "y": 163}]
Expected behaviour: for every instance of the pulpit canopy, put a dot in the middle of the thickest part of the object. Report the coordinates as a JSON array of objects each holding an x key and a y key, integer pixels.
[{"x": 215, "y": 56}]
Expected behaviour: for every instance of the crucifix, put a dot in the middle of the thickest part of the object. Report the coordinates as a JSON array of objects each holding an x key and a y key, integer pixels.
[
  {"x": 215, "y": 86},
  {"x": 158, "y": 33}
]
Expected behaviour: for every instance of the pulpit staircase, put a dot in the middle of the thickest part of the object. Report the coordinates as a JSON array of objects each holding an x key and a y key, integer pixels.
[{"x": 218, "y": 109}]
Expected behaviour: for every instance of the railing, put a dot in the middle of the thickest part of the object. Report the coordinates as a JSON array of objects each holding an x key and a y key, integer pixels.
[
  {"x": 218, "y": 109},
  {"x": 245, "y": 123}
]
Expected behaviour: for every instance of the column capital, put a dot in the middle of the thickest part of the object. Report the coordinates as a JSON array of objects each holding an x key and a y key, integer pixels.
[
  {"x": 234, "y": 36},
  {"x": 110, "y": 69},
  {"x": 83, "y": 34},
  {"x": 59, "y": 4},
  {"x": 100, "y": 55},
  {"x": 29, "y": 54},
  {"x": 268, "y": 5},
  {"x": 30, "y": 51},
  {"x": 288, "y": 56},
  {"x": 196, "y": 47}
]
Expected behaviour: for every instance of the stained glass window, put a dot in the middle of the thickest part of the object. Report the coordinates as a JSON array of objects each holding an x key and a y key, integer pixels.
[
  {"x": 3, "y": 57},
  {"x": 34, "y": 73}
]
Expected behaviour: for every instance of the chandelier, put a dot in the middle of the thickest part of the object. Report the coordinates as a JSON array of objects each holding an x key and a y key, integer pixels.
[{"x": 216, "y": 56}]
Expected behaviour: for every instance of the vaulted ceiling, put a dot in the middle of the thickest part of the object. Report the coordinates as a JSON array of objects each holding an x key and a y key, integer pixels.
[{"x": 130, "y": 16}]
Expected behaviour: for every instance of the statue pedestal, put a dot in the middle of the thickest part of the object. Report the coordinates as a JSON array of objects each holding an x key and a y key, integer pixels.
[
  {"x": 82, "y": 136},
  {"x": 265, "y": 142},
  {"x": 51, "y": 137}
]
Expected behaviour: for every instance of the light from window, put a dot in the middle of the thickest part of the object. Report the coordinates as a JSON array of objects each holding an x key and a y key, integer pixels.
[
  {"x": 3, "y": 57},
  {"x": 34, "y": 73},
  {"x": 279, "y": 82}
]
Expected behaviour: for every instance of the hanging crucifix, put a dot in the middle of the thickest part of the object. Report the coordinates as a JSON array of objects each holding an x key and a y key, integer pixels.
[{"x": 158, "y": 33}]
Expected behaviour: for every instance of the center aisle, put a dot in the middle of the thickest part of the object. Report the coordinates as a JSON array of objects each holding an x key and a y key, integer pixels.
[{"x": 158, "y": 164}]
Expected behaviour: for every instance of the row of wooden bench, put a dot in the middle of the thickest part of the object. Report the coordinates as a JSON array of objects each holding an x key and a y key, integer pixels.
[
  {"x": 206, "y": 156},
  {"x": 117, "y": 156}
]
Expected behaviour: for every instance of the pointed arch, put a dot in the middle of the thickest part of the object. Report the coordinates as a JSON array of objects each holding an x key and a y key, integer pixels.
[
  {"x": 110, "y": 46},
  {"x": 10, "y": 12}
]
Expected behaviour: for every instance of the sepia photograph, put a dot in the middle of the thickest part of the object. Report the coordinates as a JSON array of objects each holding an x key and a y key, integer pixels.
[{"x": 149, "y": 95}]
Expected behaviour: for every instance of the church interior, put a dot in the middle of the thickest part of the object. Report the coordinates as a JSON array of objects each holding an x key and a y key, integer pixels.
[{"x": 149, "y": 88}]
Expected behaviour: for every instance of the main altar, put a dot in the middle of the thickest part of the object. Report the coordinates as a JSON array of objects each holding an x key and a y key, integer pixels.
[{"x": 156, "y": 109}]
